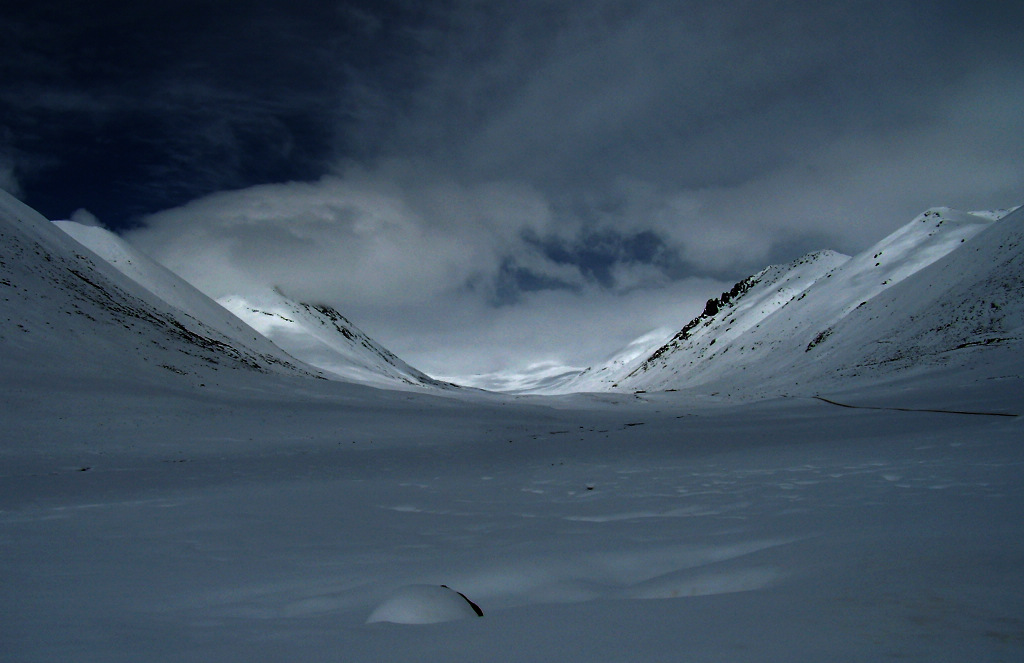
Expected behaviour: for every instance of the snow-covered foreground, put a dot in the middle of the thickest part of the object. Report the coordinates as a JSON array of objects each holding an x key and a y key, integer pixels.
[{"x": 268, "y": 521}]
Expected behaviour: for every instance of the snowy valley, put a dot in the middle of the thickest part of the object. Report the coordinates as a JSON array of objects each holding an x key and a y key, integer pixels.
[{"x": 825, "y": 465}]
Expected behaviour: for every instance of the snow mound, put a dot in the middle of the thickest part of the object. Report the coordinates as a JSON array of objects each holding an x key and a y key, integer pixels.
[{"x": 424, "y": 604}]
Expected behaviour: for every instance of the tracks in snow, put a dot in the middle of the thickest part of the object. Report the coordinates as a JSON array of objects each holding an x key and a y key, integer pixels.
[{"x": 910, "y": 409}]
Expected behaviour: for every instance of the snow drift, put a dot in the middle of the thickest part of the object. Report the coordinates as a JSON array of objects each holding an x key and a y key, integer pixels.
[{"x": 424, "y": 604}]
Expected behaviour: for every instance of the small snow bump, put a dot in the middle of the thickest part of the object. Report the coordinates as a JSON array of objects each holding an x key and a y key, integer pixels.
[{"x": 424, "y": 604}]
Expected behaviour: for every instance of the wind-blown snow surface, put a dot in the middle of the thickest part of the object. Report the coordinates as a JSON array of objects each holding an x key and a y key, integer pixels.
[
  {"x": 268, "y": 515},
  {"x": 167, "y": 527}
]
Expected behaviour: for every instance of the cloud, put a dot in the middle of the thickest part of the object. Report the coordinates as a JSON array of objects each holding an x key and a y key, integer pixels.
[
  {"x": 451, "y": 277},
  {"x": 568, "y": 97},
  {"x": 463, "y": 338},
  {"x": 86, "y": 218},
  {"x": 389, "y": 236},
  {"x": 688, "y": 92},
  {"x": 731, "y": 131},
  {"x": 619, "y": 158},
  {"x": 860, "y": 186},
  {"x": 9, "y": 179},
  {"x": 532, "y": 183}
]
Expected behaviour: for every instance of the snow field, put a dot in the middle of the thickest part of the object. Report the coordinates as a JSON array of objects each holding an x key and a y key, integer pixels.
[{"x": 785, "y": 530}]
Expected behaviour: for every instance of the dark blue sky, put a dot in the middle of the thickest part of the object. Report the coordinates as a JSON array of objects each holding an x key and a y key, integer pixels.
[
  {"x": 127, "y": 108},
  {"x": 519, "y": 161}
]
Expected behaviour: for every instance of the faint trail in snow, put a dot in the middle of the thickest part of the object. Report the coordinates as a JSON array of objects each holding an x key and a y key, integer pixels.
[{"x": 910, "y": 409}]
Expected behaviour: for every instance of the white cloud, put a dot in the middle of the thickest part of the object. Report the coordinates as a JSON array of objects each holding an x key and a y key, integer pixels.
[
  {"x": 464, "y": 338},
  {"x": 848, "y": 191},
  {"x": 415, "y": 256},
  {"x": 389, "y": 236},
  {"x": 86, "y": 218},
  {"x": 414, "y": 263},
  {"x": 628, "y": 277},
  {"x": 9, "y": 179}
]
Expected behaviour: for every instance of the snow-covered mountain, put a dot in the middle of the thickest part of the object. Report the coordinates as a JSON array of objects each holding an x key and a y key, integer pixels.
[
  {"x": 316, "y": 335},
  {"x": 73, "y": 313},
  {"x": 736, "y": 311},
  {"x": 321, "y": 336},
  {"x": 163, "y": 283},
  {"x": 931, "y": 295},
  {"x": 945, "y": 283}
]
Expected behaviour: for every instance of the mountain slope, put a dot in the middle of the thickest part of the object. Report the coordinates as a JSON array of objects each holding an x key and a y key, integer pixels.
[
  {"x": 724, "y": 319},
  {"x": 165, "y": 284},
  {"x": 964, "y": 311},
  {"x": 603, "y": 376},
  {"x": 72, "y": 313},
  {"x": 819, "y": 320},
  {"x": 315, "y": 335},
  {"x": 321, "y": 336}
]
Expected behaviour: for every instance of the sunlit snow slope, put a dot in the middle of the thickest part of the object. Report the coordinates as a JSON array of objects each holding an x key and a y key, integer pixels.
[
  {"x": 321, "y": 336},
  {"x": 740, "y": 309},
  {"x": 928, "y": 296}
]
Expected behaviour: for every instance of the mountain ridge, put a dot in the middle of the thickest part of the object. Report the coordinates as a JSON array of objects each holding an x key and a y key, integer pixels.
[
  {"x": 938, "y": 292},
  {"x": 777, "y": 323}
]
